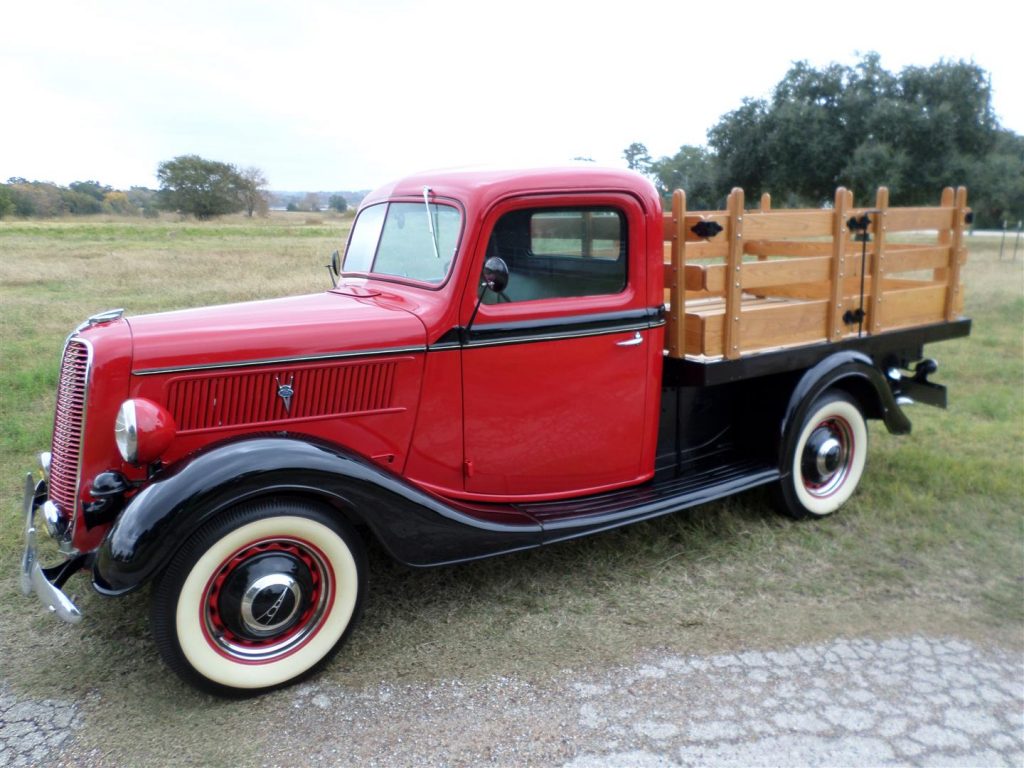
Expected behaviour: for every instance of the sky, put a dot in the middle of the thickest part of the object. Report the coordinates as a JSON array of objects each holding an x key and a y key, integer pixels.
[{"x": 332, "y": 95}]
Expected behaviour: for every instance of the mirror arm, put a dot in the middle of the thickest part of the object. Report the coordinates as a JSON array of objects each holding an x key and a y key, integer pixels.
[
  {"x": 334, "y": 268},
  {"x": 464, "y": 332},
  {"x": 495, "y": 279}
]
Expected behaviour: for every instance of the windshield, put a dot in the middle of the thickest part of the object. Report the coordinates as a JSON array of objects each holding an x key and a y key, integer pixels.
[{"x": 394, "y": 239}]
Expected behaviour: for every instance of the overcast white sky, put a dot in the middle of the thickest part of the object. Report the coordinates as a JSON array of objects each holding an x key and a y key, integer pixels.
[{"x": 344, "y": 95}]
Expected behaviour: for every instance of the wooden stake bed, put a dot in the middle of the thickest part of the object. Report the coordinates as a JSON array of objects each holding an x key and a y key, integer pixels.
[{"x": 775, "y": 279}]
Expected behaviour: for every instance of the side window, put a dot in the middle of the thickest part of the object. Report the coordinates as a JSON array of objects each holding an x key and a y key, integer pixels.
[{"x": 560, "y": 252}]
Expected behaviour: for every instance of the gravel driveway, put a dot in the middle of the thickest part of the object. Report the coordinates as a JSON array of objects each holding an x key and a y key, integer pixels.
[{"x": 905, "y": 701}]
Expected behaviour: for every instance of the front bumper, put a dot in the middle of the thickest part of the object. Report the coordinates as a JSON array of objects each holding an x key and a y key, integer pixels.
[{"x": 46, "y": 582}]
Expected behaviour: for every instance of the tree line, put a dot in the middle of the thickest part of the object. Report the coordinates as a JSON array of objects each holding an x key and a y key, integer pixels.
[
  {"x": 189, "y": 185},
  {"x": 860, "y": 126},
  {"x": 23, "y": 198}
]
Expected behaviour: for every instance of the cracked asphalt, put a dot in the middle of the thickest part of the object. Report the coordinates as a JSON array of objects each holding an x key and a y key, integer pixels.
[
  {"x": 860, "y": 702},
  {"x": 32, "y": 732}
]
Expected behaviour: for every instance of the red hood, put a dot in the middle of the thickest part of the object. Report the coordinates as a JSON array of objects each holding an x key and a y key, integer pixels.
[{"x": 276, "y": 329}]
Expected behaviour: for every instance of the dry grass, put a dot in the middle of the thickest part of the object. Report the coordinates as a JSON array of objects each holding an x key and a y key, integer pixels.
[{"x": 932, "y": 543}]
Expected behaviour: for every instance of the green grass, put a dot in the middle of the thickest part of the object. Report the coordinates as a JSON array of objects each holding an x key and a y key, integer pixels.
[{"x": 932, "y": 542}]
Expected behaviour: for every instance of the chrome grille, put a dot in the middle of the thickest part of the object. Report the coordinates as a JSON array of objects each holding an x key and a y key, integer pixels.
[{"x": 69, "y": 426}]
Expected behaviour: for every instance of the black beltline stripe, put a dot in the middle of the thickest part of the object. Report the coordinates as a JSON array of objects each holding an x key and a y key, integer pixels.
[
  {"x": 553, "y": 329},
  {"x": 554, "y": 336}
]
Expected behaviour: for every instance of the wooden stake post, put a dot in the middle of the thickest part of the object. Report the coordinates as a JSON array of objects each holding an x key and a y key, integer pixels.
[
  {"x": 676, "y": 332},
  {"x": 879, "y": 228},
  {"x": 734, "y": 275},
  {"x": 956, "y": 254},
  {"x": 840, "y": 237}
]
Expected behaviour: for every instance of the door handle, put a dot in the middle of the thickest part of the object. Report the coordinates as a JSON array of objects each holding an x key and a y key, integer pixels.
[{"x": 637, "y": 339}]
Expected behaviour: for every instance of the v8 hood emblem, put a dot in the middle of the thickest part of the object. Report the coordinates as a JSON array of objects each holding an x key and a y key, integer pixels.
[{"x": 286, "y": 392}]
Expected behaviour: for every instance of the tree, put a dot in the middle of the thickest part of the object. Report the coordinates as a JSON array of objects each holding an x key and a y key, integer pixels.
[
  {"x": 84, "y": 197},
  {"x": 6, "y": 202},
  {"x": 202, "y": 188},
  {"x": 862, "y": 127},
  {"x": 338, "y": 203},
  {"x": 91, "y": 188},
  {"x": 1000, "y": 179},
  {"x": 79, "y": 203},
  {"x": 694, "y": 170},
  {"x": 36, "y": 198},
  {"x": 253, "y": 191},
  {"x": 916, "y": 131},
  {"x": 311, "y": 202},
  {"x": 637, "y": 157},
  {"x": 119, "y": 202}
]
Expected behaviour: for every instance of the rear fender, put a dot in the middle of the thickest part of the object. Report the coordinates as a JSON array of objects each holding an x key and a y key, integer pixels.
[{"x": 415, "y": 527}]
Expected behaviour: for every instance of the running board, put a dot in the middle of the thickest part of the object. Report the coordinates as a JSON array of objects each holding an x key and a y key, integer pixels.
[{"x": 561, "y": 520}]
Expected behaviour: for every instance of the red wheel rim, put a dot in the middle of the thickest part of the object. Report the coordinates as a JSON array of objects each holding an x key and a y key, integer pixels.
[
  {"x": 828, "y": 457},
  {"x": 313, "y": 603}
]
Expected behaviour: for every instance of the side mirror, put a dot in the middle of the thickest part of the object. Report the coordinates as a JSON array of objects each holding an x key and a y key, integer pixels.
[
  {"x": 496, "y": 274},
  {"x": 335, "y": 265},
  {"x": 495, "y": 279}
]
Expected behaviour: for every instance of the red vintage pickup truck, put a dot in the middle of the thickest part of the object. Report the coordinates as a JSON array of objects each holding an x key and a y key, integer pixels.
[{"x": 507, "y": 359}]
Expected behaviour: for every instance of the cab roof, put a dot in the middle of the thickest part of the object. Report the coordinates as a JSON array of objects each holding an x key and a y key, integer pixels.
[{"x": 480, "y": 187}]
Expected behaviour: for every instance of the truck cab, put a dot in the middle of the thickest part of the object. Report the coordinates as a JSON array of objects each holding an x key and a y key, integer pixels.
[{"x": 512, "y": 380}]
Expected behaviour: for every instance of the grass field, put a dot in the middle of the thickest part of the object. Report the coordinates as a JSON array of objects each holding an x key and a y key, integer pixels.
[{"x": 932, "y": 542}]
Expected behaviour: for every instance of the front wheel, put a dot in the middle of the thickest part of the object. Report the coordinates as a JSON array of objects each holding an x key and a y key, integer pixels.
[
  {"x": 259, "y": 597},
  {"x": 825, "y": 462}
]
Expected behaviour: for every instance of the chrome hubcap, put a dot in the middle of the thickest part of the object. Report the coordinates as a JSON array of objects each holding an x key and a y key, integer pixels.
[
  {"x": 270, "y": 603},
  {"x": 827, "y": 457},
  {"x": 267, "y": 599}
]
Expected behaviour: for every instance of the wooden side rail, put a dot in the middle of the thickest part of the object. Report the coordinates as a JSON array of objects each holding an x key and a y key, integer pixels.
[{"x": 740, "y": 281}]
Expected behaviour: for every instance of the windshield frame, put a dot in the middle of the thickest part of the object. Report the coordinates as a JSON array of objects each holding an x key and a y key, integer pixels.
[{"x": 385, "y": 277}]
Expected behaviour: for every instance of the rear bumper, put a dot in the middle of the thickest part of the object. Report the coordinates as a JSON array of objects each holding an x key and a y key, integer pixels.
[{"x": 46, "y": 583}]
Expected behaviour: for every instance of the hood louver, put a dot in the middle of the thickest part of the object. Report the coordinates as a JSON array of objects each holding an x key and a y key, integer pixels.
[{"x": 249, "y": 398}]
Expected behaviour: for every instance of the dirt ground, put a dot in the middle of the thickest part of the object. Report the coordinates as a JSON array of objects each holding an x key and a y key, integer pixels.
[{"x": 901, "y": 701}]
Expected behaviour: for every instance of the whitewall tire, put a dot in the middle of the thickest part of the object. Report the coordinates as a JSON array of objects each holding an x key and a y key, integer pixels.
[
  {"x": 259, "y": 597},
  {"x": 825, "y": 462}
]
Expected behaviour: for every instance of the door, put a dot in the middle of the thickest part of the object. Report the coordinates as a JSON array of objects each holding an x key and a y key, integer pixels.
[{"x": 555, "y": 368}]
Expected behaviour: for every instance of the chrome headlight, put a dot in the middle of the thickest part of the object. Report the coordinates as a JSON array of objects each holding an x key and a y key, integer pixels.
[{"x": 143, "y": 430}]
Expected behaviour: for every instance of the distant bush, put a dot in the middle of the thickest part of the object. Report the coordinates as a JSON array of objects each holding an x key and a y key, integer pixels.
[
  {"x": 44, "y": 199},
  {"x": 6, "y": 202},
  {"x": 118, "y": 202}
]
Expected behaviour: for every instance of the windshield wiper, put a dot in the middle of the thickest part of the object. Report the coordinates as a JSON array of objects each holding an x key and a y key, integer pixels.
[{"x": 430, "y": 222}]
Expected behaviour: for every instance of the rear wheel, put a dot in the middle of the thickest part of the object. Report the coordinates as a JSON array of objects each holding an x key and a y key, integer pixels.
[
  {"x": 826, "y": 460},
  {"x": 259, "y": 597}
]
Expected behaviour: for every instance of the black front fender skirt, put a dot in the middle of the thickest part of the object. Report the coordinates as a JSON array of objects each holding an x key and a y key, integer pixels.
[{"x": 417, "y": 528}]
